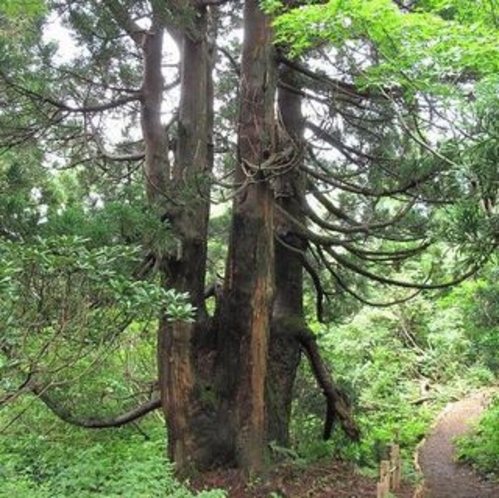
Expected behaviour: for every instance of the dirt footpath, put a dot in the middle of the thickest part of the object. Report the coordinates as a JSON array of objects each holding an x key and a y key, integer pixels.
[{"x": 444, "y": 478}]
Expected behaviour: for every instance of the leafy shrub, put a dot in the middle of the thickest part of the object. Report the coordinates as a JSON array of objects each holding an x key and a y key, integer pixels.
[
  {"x": 481, "y": 447},
  {"x": 44, "y": 458}
]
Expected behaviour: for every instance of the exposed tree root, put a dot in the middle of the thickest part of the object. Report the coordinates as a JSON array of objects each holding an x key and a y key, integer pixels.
[{"x": 337, "y": 404}]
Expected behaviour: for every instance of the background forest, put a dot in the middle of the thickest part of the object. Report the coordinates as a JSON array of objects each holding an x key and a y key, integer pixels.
[{"x": 269, "y": 227}]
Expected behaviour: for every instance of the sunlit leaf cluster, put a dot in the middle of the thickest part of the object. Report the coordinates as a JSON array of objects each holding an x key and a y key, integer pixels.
[{"x": 425, "y": 44}]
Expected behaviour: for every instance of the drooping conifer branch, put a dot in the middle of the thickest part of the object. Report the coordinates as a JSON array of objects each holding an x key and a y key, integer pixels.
[{"x": 95, "y": 423}]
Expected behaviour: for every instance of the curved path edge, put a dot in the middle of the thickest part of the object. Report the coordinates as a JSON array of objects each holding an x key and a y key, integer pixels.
[{"x": 434, "y": 457}]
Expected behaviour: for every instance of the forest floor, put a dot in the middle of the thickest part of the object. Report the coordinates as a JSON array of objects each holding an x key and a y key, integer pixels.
[
  {"x": 331, "y": 479},
  {"x": 443, "y": 477}
]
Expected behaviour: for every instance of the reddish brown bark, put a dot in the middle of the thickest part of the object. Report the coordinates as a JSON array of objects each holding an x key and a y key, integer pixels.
[{"x": 244, "y": 320}]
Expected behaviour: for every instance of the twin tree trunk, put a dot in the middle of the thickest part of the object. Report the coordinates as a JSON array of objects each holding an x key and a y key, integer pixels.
[
  {"x": 213, "y": 373},
  {"x": 226, "y": 381}
]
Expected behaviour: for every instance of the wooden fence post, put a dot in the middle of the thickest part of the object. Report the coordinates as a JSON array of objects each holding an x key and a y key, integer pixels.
[
  {"x": 383, "y": 486},
  {"x": 390, "y": 473},
  {"x": 395, "y": 467}
]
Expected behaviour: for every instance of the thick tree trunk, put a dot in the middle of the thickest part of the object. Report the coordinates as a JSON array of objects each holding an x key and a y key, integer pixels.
[
  {"x": 244, "y": 319},
  {"x": 189, "y": 412},
  {"x": 289, "y": 329},
  {"x": 287, "y": 313}
]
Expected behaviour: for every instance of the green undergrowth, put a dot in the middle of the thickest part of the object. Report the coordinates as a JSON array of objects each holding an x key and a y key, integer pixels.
[
  {"x": 41, "y": 457},
  {"x": 398, "y": 365},
  {"x": 481, "y": 446}
]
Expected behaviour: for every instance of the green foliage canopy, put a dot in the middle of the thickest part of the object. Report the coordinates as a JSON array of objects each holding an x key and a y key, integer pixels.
[{"x": 433, "y": 42}]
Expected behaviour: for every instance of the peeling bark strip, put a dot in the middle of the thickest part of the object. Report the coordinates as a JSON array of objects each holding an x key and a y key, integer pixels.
[
  {"x": 259, "y": 346},
  {"x": 248, "y": 291}
]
